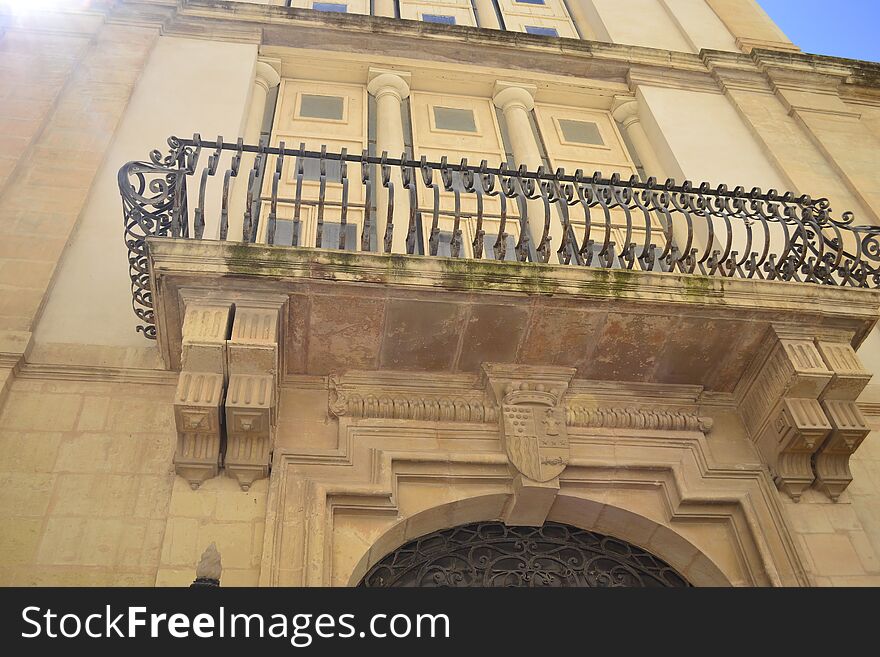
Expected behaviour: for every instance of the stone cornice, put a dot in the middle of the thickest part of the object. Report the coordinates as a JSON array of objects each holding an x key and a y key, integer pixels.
[
  {"x": 97, "y": 374},
  {"x": 271, "y": 25}
]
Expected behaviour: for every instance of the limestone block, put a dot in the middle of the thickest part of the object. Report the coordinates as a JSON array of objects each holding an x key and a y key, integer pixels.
[
  {"x": 250, "y": 405},
  {"x": 848, "y": 431},
  {"x": 531, "y": 501},
  {"x": 205, "y": 330},
  {"x": 253, "y": 347}
]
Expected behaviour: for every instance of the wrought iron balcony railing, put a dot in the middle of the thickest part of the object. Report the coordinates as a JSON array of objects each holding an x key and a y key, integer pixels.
[{"x": 339, "y": 200}]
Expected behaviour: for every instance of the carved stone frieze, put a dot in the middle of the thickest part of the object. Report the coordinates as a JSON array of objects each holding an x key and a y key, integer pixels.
[
  {"x": 637, "y": 418},
  {"x": 390, "y": 402},
  {"x": 460, "y": 405}
]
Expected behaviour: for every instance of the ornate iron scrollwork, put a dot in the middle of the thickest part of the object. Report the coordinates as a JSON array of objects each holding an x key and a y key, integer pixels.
[{"x": 490, "y": 554}]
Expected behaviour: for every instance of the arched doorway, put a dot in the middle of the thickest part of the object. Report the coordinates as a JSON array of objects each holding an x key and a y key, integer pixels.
[{"x": 495, "y": 555}]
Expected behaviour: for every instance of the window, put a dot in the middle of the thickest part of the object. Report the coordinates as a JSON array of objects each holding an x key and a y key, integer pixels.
[
  {"x": 287, "y": 233},
  {"x": 530, "y": 2},
  {"x": 581, "y": 132},
  {"x": 451, "y": 118},
  {"x": 322, "y": 107},
  {"x": 312, "y": 170},
  {"x": 330, "y": 6},
  {"x": 489, "y": 247},
  {"x": 437, "y": 18},
  {"x": 542, "y": 31},
  {"x": 330, "y": 236}
]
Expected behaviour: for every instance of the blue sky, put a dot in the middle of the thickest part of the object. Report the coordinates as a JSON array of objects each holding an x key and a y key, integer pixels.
[{"x": 843, "y": 28}]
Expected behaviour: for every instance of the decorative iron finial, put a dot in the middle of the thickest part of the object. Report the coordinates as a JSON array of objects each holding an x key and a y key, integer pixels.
[{"x": 209, "y": 568}]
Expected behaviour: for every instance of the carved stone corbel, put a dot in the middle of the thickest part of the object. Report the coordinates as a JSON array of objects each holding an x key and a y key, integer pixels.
[
  {"x": 781, "y": 410},
  {"x": 200, "y": 389},
  {"x": 848, "y": 430},
  {"x": 251, "y": 399},
  {"x": 848, "y": 427},
  {"x": 534, "y": 434}
]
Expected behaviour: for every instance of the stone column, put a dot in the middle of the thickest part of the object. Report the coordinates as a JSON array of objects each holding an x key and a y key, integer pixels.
[
  {"x": 626, "y": 112},
  {"x": 516, "y": 101},
  {"x": 579, "y": 12},
  {"x": 384, "y": 8},
  {"x": 486, "y": 15},
  {"x": 390, "y": 89},
  {"x": 265, "y": 79}
]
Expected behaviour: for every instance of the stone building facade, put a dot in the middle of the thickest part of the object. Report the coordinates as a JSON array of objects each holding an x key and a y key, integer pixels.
[{"x": 334, "y": 356}]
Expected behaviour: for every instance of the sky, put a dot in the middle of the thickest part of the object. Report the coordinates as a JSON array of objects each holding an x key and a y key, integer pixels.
[{"x": 842, "y": 28}]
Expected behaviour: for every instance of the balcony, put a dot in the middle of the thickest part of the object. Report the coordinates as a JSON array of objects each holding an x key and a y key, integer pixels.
[
  {"x": 439, "y": 266},
  {"x": 254, "y": 267}
]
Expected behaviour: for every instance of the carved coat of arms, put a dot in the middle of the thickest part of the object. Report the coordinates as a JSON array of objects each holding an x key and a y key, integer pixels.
[{"x": 535, "y": 435}]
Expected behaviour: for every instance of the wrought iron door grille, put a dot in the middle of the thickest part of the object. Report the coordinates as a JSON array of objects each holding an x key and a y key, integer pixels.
[{"x": 491, "y": 554}]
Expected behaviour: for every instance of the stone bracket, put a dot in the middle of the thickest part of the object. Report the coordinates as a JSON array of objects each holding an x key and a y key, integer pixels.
[
  {"x": 252, "y": 395},
  {"x": 799, "y": 409},
  {"x": 225, "y": 403},
  {"x": 848, "y": 430},
  {"x": 198, "y": 399}
]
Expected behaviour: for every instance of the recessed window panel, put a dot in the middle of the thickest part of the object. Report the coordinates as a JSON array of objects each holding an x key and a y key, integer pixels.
[
  {"x": 322, "y": 107},
  {"x": 287, "y": 233},
  {"x": 489, "y": 247},
  {"x": 530, "y": 2},
  {"x": 581, "y": 132},
  {"x": 330, "y": 6},
  {"x": 542, "y": 31},
  {"x": 452, "y": 118},
  {"x": 438, "y": 18},
  {"x": 330, "y": 235}
]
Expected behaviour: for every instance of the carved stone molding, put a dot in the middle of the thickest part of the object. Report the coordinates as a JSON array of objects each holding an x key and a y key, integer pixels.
[
  {"x": 380, "y": 400},
  {"x": 376, "y": 402},
  {"x": 227, "y": 388},
  {"x": 637, "y": 418}
]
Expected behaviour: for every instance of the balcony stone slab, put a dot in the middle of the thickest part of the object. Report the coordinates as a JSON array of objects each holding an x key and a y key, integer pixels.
[{"x": 363, "y": 311}]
